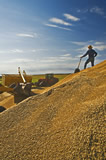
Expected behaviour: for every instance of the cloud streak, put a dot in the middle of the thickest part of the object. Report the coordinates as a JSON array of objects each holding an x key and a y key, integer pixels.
[
  {"x": 11, "y": 51},
  {"x": 79, "y": 43},
  {"x": 70, "y": 17},
  {"x": 19, "y": 60},
  {"x": 43, "y": 65},
  {"x": 97, "y": 10},
  {"x": 25, "y": 35},
  {"x": 59, "y": 21},
  {"x": 55, "y": 26},
  {"x": 59, "y": 59},
  {"x": 16, "y": 51},
  {"x": 100, "y": 46},
  {"x": 67, "y": 55}
]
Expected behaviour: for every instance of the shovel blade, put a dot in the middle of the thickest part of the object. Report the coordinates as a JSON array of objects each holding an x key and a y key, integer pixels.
[{"x": 77, "y": 70}]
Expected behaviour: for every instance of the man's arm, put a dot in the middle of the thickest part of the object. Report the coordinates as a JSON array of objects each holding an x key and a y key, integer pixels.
[
  {"x": 95, "y": 54},
  {"x": 84, "y": 55}
]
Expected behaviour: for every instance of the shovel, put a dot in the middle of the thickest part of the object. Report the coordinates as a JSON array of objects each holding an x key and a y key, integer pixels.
[{"x": 77, "y": 69}]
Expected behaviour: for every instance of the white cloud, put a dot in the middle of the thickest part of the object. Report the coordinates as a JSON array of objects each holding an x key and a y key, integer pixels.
[
  {"x": 79, "y": 43},
  {"x": 97, "y": 10},
  {"x": 82, "y": 49},
  {"x": 82, "y": 11},
  {"x": 38, "y": 50},
  {"x": 96, "y": 45},
  {"x": 59, "y": 59},
  {"x": 11, "y": 66},
  {"x": 52, "y": 60},
  {"x": 70, "y": 17},
  {"x": 100, "y": 48},
  {"x": 78, "y": 56},
  {"x": 68, "y": 58},
  {"x": 11, "y": 51},
  {"x": 52, "y": 25},
  {"x": 16, "y": 51},
  {"x": 78, "y": 10},
  {"x": 67, "y": 55},
  {"x": 18, "y": 60},
  {"x": 59, "y": 21},
  {"x": 99, "y": 43},
  {"x": 55, "y": 26},
  {"x": 27, "y": 35}
]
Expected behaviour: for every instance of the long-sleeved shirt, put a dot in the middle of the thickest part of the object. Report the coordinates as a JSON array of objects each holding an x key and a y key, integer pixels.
[{"x": 91, "y": 53}]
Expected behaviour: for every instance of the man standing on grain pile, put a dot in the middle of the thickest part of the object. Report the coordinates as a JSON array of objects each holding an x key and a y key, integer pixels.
[{"x": 92, "y": 54}]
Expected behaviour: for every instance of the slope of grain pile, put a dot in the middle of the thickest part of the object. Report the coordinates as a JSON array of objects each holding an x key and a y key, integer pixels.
[{"x": 65, "y": 123}]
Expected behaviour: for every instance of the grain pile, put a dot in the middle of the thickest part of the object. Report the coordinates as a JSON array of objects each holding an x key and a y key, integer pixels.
[
  {"x": 6, "y": 100},
  {"x": 64, "y": 123}
]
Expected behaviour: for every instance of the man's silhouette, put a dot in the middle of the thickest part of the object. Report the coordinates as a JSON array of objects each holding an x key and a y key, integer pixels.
[{"x": 92, "y": 54}]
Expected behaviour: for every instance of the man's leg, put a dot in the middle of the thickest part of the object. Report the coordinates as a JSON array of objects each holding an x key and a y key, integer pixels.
[
  {"x": 92, "y": 62},
  {"x": 86, "y": 63}
]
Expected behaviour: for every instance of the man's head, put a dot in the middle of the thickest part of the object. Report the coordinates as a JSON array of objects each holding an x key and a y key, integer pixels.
[{"x": 90, "y": 47}]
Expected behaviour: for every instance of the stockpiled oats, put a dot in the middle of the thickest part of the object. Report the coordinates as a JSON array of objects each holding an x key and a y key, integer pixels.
[{"x": 66, "y": 122}]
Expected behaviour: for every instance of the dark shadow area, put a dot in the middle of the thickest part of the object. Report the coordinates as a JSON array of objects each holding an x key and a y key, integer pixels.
[
  {"x": 2, "y": 109},
  {"x": 20, "y": 97},
  {"x": 1, "y": 92}
]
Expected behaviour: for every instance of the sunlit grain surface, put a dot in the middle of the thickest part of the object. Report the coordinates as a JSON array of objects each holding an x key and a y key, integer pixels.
[{"x": 64, "y": 122}]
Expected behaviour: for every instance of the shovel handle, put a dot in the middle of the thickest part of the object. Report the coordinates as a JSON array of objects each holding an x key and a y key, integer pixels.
[{"x": 79, "y": 63}]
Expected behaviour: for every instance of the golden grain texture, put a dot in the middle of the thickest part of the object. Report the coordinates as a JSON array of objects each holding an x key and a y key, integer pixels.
[{"x": 66, "y": 122}]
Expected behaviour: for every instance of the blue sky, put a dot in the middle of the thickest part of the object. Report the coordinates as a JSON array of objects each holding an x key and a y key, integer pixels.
[{"x": 49, "y": 36}]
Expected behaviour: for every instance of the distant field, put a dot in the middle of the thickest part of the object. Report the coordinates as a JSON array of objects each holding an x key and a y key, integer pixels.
[{"x": 36, "y": 77}]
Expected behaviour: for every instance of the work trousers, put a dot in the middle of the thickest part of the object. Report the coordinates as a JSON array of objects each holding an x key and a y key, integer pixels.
[{"x": 89, "y": 60}]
